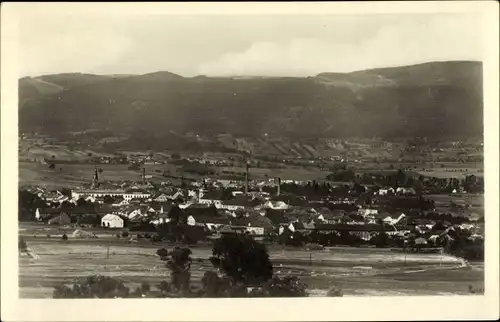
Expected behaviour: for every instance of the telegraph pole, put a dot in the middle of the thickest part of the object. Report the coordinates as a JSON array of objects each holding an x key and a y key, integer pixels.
[{"x": 404, "y": 249}]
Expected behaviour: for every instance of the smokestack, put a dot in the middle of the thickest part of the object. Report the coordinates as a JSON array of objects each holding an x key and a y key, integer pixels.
[
  {"x": 279, "y": 187},
  {"x": 143, "y": 175},
  {"x": 246, "y": 179}
]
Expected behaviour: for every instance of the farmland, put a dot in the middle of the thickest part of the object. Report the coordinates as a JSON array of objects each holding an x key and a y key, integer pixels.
[
  {"x": 75, "y": 175},
  {"x": 358, "y": 271}
]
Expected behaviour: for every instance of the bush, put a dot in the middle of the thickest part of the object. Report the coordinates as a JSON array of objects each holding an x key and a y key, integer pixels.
[
  {"x": 93, "y": 287},
  {"x": 288, "y": 286},
  {"x": 334, "y": 292},
  {"x": 314, "y": 246},
  {"x": 213, "y": 285},
  {"x": 23, "y": 246},
  {"x": 125, "y": 234},
  {"x": 64, "y": 237}
]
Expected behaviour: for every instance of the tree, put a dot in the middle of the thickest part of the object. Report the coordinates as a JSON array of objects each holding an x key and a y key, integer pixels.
[
  {"x": 28, "y": 203},
  {"x": 382, "y": 239},
  {"x": 178, "y": 261},
  {"x": 242, "y": 259},
  {"x": 81, "y": 202},
  {"x": 227, "y": 194},
  {"x": 108, "y": 199}
]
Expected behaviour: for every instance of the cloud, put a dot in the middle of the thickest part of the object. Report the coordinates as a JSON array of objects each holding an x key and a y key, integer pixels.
[
  {"x": 265, "y": 45},
  {"x": 68, "y": 46},
  {"x": 413, "y": 41}
]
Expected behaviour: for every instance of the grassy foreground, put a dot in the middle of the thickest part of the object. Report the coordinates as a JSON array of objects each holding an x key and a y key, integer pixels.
[{"x": 356, "y": 271}]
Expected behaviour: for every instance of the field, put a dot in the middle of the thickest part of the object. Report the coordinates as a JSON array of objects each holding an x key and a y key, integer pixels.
[
  {"x": 357, "y": 271},
  {"x": 75, "y": 175},
  {"x": 475, "y": 202}
]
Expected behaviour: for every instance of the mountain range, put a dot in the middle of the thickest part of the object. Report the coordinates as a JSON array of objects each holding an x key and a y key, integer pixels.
[{"x": 439, "y": 100}]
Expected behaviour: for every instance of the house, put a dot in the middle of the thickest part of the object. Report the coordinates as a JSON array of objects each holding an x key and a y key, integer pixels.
[
  {"x": 191, "y": 221},
  {"x": 112, "y": 221},
  {"x": 365, "y": 212},
  {"x": 257, "y": 231},
  {"x": 259, "y": 225},
  {"x": 177, "y": 196},
  {"x": 277, "y": 205},
  {"x": 133, "y": 212},
  {"x": 119, "y": 201},
  {"x": 277, "y": 217},
  {"x": 384, "y": 191},
  {"x": 99, "y": 199},
  {"x": 62, "y": 220},
  {"x": 405, "y": 191},
  {"x": 237, "y": 193},
  {"x": 228, "y": 230},
  {"x": 53, "y": 196},
  {"x": 46, "y": 213},
  {"x": 162, "y": 198},
  {"x": 162, "y": 218},
  {"x": 420, "y": 241},
  {"x": 193, "y": 195}
]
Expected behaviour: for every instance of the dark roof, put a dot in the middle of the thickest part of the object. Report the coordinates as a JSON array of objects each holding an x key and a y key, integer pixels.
[
  {"x": 212, "y": 194},
  {"x": 212, "y": 220},
  {"x": 227, "y": 229},
  {"x": 201, "y": 211},
  {"x": 241, "y": 202},
  {"x": 47, "y": 211},
  {"x": 244, "y": 221},
  {"x": 298, "y": 225},
  {"x": 345, "y": 227}
]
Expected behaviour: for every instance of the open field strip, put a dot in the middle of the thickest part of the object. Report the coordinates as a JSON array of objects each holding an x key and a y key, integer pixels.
[{"x": 371, "y": 270}]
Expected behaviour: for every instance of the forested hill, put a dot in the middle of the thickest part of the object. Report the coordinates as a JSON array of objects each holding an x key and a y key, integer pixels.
[{"x": 437, "y": 100}]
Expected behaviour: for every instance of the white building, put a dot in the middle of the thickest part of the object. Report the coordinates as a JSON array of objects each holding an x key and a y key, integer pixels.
[
  {"x": 258, "y": 231},
  {"x": 366, "y": 212},
  {"x": 112, "y": 221},
  {"x": 384, "y": 192},
  {"x": 191, "y": 221},
  {"x": 219, "y": 204},
  {"x": 75, "y": 195}
]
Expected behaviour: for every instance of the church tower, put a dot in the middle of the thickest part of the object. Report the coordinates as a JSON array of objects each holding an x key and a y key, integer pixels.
[{"x": 95, "y": 180}]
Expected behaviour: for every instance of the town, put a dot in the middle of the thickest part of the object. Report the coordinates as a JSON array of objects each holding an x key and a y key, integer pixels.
[{"x": 424, "y": 210}]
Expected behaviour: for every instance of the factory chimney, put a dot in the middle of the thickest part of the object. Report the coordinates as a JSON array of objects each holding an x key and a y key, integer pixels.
[
  {"x": 144, "y": 176},
  {"x": 279, "y": 187},
  {"x": 246, "y": 179}
]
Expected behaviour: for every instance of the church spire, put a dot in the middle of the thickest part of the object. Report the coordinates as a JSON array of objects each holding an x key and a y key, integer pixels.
[{"x": 95, "y": 179}]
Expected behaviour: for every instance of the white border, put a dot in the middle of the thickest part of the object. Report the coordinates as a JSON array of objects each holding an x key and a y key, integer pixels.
[{"x": 318, "y": 309}]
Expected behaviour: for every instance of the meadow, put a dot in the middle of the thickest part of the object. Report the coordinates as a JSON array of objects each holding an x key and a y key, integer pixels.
[{"x": 357, "y": 271}]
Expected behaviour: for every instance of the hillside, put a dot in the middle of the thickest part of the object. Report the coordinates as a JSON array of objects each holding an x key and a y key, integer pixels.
[
  {"x": 437, "y": 100},
  {"x": 32, "y": 88}
]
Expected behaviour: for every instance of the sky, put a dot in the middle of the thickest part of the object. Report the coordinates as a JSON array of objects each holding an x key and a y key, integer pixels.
[{"x": 229, "y": 45}]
